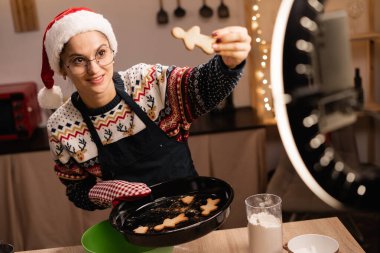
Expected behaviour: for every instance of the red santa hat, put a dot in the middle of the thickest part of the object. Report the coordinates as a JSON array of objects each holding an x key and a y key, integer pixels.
[{"x": 58, "y": 32}]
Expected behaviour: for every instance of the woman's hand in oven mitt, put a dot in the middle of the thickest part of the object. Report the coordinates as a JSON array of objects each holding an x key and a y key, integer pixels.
[{"x": 112, "y": 192}]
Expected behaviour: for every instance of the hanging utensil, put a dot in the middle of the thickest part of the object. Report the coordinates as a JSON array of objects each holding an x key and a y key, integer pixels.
[
  {"x": 205, "y": 11},
  {"x": 162, "y": 15},
  {"x": 223, "y": 11},
  {"x": 179, "y": 12}
]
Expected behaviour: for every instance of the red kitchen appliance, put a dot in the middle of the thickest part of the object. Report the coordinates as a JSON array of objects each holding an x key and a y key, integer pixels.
[{"x": 19, "y": 110}]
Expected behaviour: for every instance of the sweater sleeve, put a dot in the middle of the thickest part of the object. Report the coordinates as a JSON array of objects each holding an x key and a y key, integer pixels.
[
  {"x": 180, "y": 94},
  {"x": 192, "y": 92},
  {"x": 78, "y": 184},
  {"x": 80, "y": 170},
  {"x": 209, "y": 84}
]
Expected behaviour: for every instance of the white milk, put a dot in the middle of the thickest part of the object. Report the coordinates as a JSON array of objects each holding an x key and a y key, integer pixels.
[{"x": 265, "y": 233}]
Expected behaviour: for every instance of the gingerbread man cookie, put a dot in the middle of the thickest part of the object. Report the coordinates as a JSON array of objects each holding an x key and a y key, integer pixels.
[
  {"x": 187, "y": 199},
  {"x": 210, "y": 206},
  {"x": 141, "y": 230},
  {"x": 171, "y": 223},
  {"x": 193, "y": 37}
]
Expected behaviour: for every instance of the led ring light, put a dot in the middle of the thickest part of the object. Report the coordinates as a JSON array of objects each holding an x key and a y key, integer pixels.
[{"x": 313, "y": 94}]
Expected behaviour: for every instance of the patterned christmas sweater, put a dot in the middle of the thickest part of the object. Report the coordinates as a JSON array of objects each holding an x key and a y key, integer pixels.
[{"x": 171, "y": 96}]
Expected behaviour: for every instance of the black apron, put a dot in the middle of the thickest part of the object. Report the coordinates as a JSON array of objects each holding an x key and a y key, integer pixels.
[{"x": 149, "y": 156}]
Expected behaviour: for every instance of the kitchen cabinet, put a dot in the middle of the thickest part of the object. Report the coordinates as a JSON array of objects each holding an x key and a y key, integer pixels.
[
  {"x": 35, "y": 212},
  {"x": 236, "y": 157},
  {"x": 364, "y": 57},
  {"x": 365, "y": 48}
]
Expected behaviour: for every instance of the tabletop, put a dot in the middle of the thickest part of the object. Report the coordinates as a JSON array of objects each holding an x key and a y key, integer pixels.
[{"x": 236, "y": 240}]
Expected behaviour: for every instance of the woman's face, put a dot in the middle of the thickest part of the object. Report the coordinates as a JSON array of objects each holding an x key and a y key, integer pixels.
[{"x": 93, "y": 80}]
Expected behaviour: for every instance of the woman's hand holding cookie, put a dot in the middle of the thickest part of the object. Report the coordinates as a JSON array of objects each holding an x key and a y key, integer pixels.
[{"x": 233, "y": 44}]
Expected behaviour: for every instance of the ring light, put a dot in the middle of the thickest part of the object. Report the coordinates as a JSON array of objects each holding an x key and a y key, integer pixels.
[{"x": 314, "y": 94}]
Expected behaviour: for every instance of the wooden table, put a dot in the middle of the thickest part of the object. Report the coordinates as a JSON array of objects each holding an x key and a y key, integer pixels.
[{"x": 236, "y": 240}]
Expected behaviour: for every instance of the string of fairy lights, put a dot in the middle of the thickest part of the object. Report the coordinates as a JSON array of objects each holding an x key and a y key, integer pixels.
[{"x": 263, "y": 88}]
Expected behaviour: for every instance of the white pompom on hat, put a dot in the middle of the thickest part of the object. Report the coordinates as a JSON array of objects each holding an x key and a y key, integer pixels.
[{"x": 58, "y": 32}]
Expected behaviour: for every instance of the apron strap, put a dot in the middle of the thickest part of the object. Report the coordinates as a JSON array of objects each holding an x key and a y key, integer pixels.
[
  {"x": 78, "y": 103},
  {"x": 134, "y": 106}
]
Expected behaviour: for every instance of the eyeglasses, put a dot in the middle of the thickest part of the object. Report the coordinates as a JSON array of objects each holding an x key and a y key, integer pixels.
[{"x": 103, "y": 57}]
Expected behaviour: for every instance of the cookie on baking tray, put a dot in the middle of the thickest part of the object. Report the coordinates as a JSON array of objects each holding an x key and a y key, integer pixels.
[
  {"x": 210, "y": 206},
  {"x": 171, "y": 223}
]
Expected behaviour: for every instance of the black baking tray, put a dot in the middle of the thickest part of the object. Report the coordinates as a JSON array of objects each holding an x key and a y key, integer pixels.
[{"x": 197, "y": 186}]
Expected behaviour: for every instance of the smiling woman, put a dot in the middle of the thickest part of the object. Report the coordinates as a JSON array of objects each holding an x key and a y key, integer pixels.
[
  {"x": 92, "y": 78},
  {"x": 122, "y": 132}
]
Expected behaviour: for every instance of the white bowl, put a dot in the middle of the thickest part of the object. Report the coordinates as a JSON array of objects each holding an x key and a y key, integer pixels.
[{"x": 313, "y": 243}]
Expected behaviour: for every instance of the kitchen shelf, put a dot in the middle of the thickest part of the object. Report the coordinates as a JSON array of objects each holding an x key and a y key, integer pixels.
[{"x": 365, "y": 36}]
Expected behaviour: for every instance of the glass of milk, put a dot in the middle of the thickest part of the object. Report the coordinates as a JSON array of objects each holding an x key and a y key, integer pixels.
[{"x": 264, "y": 223}]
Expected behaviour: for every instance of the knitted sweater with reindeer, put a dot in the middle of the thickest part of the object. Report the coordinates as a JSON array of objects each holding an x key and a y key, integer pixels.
[{"x": 171, "y": 96}]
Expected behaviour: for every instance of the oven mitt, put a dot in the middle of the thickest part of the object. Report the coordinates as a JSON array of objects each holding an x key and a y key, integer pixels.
[{"x": 112, "y": 192}]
